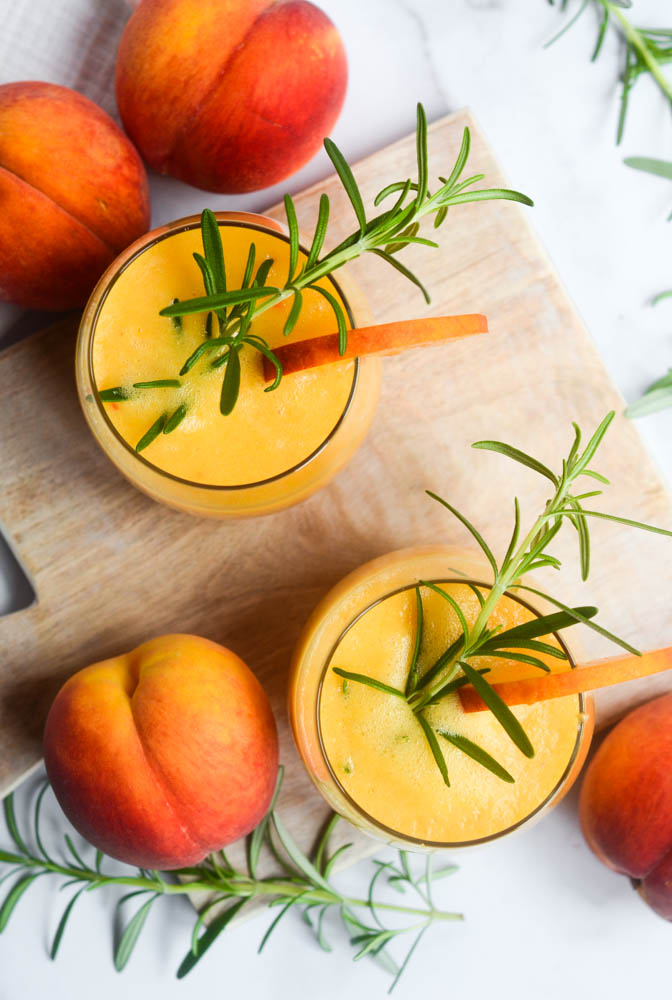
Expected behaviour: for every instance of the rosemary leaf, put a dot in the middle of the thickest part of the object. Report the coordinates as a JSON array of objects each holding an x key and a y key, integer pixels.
[
  {"x": 176, "y": 320},
  {"x": 454, "y": 605},
  {"x": 339, "y": 314},
  {"x": 12, "y": 826},
  {"x": 657, "y": 397},
  {"x": 231, "y": 383},
  {"x": 507, "y": 654},
  {"x": 544, "y": 625},
  {"x": 491, "y": 194},
  {"x": 152, "y": 433},
  {"x": 294, "y": 239},
  {"x": 478, "y": 754},
  {"x": 258, "y": 835},
  {"x": 208, "y": 302},
  {"x": 453, "y": 686},
  {"x": 159, "y": 383},
  {"x": 434, "y": 747},
  {"x": 294, "y": 312},
  {"x": 369, "y": 682},
  {"x": 297, "y": 857},
  {"x": 409, "y": 955},
  {"x": 112, "y": 395},
  {"x": 579, "y": 617},
  {"x": 619, "y": 520},
  {"x": 518, "y": 456},
  {"x": 659, "y": 168},
  {"x": 469, "y": 526},
  {"x": 274, "y": 923},
  {"x": 421, "y": 153},
  {"x": 323, "y": 843},
  {"x": 540, "y": 647},
  {"x": 175, "y": 419},
  {"x": 348, "y": 181},
  {"x": 249, "y": 266},
  {"x": 206, "y": 273},
  {"x": 499, "y": 709},
  {"x": 13, "y": 896},
  {"x": 263, "y": 348},
  {"x": 460, "y": 162},
  {"x": 208, "y": 938},
  {"x": 398, "y": 266},
  {"x": 203, "y": 348},
  {"x": 131, "y": 934},
  {"x": 412, "y": 680},
  {"x": 320, "y": 231},
  {"x": 60, "y": 930},
  {"x": 212, "y": 246},
  {"x": 448, "y": 656}
]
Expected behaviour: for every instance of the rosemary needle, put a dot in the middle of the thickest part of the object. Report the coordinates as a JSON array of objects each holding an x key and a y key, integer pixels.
[{"x": 152, "y": 433}]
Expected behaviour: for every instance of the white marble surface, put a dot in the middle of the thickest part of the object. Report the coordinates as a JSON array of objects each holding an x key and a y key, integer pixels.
[{"x": 543, "y": 918}]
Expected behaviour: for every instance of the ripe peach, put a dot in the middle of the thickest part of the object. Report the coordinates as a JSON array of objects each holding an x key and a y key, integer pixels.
[
  {"x": 73, "y": 193},
  {"x": 163, "y": 754},
  {"x": 229, "y": 95},
  {"x": 626, "y": 802}
]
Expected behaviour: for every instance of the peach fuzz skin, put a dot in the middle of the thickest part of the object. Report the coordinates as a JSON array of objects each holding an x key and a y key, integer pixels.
[
  {"x": 73, "y": 193},
  {"x": 163, "y": 754},
  {"x": 626, "y": 802},
  {"x": 250, "y": 113}
]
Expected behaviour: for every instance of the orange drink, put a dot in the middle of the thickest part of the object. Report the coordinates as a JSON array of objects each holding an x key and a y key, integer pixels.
[
  {"x": 365, "y": 749},
  {"x": 275, "y": 448}
]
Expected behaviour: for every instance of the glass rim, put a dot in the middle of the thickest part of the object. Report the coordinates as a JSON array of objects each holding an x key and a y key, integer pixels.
[
  {"x": 180, "y": 226},
  {"x": 398, "y": 835}
]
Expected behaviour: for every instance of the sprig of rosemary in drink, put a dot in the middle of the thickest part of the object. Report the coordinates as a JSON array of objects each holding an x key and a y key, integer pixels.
[
  {"x": 647, "y": 50},
  {"x": 384, "y": 235},
  {"x": 526, "y": 553},
  {"x": 305, "y": 884}
]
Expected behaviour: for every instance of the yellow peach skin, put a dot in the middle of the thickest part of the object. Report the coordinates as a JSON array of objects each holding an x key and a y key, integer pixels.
[
  {"x": 164, "y": 754},
  {"x": 366, "y": 751}
]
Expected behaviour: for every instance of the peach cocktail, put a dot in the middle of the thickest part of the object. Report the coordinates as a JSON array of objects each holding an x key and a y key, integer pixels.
[
  {"x": 366, "y": 751},
  {"x": 275, "y": 448},
  {"x": 433, "y": 702},
  {"x": 156, "y": 414}
]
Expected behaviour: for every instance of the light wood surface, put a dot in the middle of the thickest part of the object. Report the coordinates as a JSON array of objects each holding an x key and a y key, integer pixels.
[{"x": 111, "y": 568}]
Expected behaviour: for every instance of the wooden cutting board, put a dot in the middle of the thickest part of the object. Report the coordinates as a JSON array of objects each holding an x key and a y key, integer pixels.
[{"x": 111, "y": 568}]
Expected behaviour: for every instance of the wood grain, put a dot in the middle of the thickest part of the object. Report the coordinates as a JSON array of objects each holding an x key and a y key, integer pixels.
[{"x": 111, "y": 568}]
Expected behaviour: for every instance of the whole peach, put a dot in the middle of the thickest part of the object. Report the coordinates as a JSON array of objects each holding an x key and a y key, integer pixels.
[
  {"x": 73, "y": 193},
  {"x": 229, "y": 95},
  {"x": 164, "y": 754},
  {"x": 626, "y": 801}
]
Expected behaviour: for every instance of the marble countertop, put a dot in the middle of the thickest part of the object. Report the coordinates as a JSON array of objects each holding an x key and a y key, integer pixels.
[{"x": 543, "y": 918}]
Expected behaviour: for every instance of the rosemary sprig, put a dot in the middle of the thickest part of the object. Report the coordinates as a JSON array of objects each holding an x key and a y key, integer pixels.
[
  {"x": 384, "y": 235},
  {"x": 305, "y": 885},
  {"x": 647, "y": 50},
  {"x": 455, "y": 665}
]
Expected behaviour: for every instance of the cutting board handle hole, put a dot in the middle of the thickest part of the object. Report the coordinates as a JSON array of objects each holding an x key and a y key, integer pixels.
[{"x": 16, "y": 588}]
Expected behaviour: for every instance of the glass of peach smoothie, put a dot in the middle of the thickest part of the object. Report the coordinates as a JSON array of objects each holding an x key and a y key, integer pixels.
[
  {"x": 275, "y": 448},
  {"x": 365, "y": 750}
]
